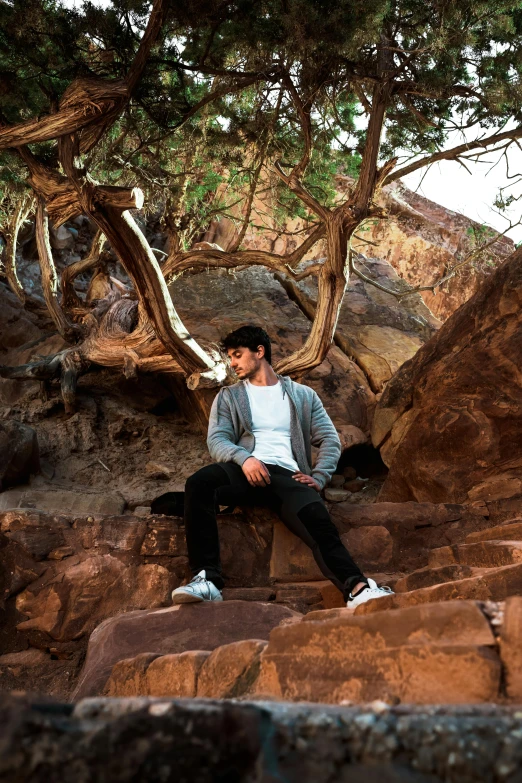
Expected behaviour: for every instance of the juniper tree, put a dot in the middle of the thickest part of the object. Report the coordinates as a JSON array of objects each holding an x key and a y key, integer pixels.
[{"x": 180, "y": 98}]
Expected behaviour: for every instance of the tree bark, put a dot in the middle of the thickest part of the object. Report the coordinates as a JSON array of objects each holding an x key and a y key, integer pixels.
[
  {"x": 66, "y": 328},
  {"x": 22, "y": 210},
  {"x": 331, "y": 285}
]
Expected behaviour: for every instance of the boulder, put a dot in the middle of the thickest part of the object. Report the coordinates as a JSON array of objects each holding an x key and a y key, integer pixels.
[
  {"x": 424, "y": 654},
  {"x": 511, "y": 647},
  {"x": 371, "y": 547},
  {"x": 174, "y": 675},
  {"x": 74, "y": 601},
  {"x": 456, "y": 406},
  {"x": 175, "y": 629},
  {"x": 291, "y": 559},
  {"x": 19, "y": 456}
]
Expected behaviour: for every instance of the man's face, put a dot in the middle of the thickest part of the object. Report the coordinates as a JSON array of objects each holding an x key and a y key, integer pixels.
[{"x": 245, "y": 362}]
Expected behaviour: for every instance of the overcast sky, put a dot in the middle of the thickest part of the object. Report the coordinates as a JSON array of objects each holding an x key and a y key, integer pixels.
[{"x": 449, "y": 184}]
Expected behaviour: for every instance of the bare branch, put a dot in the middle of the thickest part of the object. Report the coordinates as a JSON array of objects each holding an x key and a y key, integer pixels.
[
  {"x": 68, "y": 330},
  {"x": 453, "y": 153},
  {"x": 20, "y": 213}
]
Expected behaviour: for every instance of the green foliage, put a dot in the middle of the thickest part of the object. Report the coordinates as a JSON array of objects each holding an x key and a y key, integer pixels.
[{"x": 444, "y": 61}]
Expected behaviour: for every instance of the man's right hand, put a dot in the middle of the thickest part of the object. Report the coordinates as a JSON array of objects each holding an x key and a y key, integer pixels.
[{"x": 256, "y": 472}]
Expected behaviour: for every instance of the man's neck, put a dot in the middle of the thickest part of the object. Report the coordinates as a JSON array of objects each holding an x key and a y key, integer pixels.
[{"x": 264, "y": 376}]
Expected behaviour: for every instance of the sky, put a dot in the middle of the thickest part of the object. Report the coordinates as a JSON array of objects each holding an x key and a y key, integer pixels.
[{"x": 472, "y": 194}]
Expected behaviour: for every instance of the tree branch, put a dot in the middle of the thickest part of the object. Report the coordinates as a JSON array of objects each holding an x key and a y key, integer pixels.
[{"x": 453, "y": 153}]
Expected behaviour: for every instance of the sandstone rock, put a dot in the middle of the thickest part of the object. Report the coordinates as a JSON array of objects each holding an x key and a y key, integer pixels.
[
  {"x": 350, "y": 436},
  {"x": 156, "y": 470},
  {"x": 73, "y": 602},
  {"x": 511, "y": 647},
  {"x": 125, "y": 740},
  {"x": 426, "y": 577},
  {"x": 38, "y": 541},
  {"x": 17, "y": 568},
  {"x": 424, "y": 654},
  {"x": 129, "y": 677},
  {"x": 292, "y": 559},
  {"x": 61, "y": 238},
  {"x": 373, "y": 327},
  {"x": 231, "y": 670},
  {"x": 337, "y": 481},
  {"x": 494, "y": 584},
  {"x": 164, "y": 537},
  {"x": 511, "y": 531},
  {"x": 349, "y": 473},
  {"x": 174, "y": 630},
  {"x": 445, "y": 403},
  {"x": 176, "y": 675},
  {"x": 482, "y": 554},
  {"x": 19, "y": 455},
  {"x": 59, "y": 501},
  {"x": 249, "y": 594},
  {"x": 115, "y": 533},
  {"x": 355, "y": 485},
  {"x": 371, "y": 547},
  {"x": 335, "y": 495}
]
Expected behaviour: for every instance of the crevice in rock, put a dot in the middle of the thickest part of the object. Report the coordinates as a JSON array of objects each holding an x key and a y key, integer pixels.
[{"x": 365, "y": 460}]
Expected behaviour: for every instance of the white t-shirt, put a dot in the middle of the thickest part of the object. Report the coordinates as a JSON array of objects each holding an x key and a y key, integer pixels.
[{"x": 271, "y": 425}]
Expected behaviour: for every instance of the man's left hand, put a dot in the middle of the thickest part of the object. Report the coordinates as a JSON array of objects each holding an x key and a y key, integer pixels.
[{"x": 308, "y": 480}]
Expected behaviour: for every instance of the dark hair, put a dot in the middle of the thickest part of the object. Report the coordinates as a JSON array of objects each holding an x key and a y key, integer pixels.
[{"x": 251, "y": 337}]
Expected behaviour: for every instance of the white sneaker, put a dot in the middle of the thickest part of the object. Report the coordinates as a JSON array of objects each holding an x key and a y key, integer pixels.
[
  {"x": 368, "y": 594},
  {"x": 199, "y": 589}
]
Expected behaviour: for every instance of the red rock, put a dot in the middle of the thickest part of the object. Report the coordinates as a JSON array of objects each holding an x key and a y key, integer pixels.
[
  {"x": 231, "y": 670},
  {"x": 76, "y": 600},
  {"x": 129, "y": 677},
  {"x": 495, "y": 584},
  {"x": 175, "y": 629},
  {"x": 511, "y": 647},
  {"x": 291, "y": 559},
  {"x": 511, "y": 531},
  {"x": 371, "y": 547},
  {"x": 444, "y": 407},
  {"x": 482, "y": 554},
  {"x": 426, "y": 577},
  {"x": 425, "y": 654}
]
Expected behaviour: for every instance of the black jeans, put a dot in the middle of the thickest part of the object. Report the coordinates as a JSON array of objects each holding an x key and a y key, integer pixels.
[{"x": 298, "y": 506}]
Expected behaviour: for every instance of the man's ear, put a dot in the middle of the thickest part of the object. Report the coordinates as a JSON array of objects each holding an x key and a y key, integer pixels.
[{"x": 261, "y": 348}]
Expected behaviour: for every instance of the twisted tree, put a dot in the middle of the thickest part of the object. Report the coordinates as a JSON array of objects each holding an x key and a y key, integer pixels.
[{"x": 178, "y": 105}]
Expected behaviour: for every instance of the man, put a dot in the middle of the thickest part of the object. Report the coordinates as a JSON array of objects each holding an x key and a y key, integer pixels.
[{"x": 260, "y": 435}]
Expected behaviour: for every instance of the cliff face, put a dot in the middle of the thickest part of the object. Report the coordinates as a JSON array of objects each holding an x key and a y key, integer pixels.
[{"x": 421, "y": 240}]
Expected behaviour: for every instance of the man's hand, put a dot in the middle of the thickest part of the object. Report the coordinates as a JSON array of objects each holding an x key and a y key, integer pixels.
[
  {"x": 256, "y": 472},
  {"x": 304, "y": 479}
]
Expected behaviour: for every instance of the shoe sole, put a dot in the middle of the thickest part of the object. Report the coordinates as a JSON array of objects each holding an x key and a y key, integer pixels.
[{"x": 186, "y": 598}]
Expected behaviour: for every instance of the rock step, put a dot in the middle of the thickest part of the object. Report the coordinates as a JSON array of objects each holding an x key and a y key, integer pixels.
[
  {"x": 509, "y": 531},
  {"x": 426, "y": 577},
  {"x": 494, "y": 584},
  {"x": 415, "y": 655},
  {"x": 480, "y": 554}
]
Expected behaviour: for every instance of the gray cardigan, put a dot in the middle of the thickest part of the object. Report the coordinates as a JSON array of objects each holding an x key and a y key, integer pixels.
[{"x": 230, "y": 437}]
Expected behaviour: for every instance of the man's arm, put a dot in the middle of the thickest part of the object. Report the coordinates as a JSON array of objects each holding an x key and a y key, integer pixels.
[
  {"x": 324, "y": 435},
  {"x": 221, "y": 437}
]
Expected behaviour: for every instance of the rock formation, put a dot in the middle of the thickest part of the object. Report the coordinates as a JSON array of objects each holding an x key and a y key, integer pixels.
[{"x": 449, "y": 423}]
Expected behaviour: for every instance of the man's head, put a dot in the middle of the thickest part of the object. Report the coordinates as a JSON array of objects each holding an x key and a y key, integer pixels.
[{"x": 247, "y": 347}]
